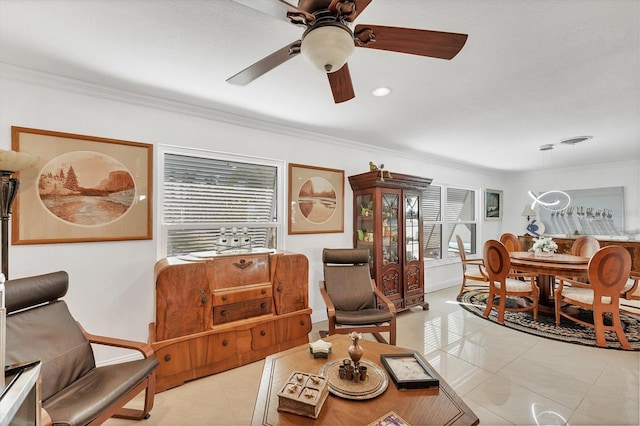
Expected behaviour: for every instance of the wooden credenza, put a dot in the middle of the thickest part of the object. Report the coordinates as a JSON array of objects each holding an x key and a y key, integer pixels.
[
  {"x": 226, "y": 311},
  {"x": 564, "y": 247}
]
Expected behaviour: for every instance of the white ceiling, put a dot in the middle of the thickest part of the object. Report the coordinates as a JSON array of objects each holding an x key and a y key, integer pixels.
[{"x": 532, "y": 72}]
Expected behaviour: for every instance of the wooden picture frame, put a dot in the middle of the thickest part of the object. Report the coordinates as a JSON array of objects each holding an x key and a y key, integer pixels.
[
  {"x": 493, "y": 200},
  {"x": 316, "y": 200},
  {"x": 82, "y": 189},
  {"x": 409, "y": 371}
]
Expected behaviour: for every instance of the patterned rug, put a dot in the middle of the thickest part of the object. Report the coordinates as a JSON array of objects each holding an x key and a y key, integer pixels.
[{"x": 567, "y": 331}]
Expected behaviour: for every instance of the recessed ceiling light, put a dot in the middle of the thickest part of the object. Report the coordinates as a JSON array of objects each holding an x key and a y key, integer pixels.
[
  {"x": 575, "y": 140},
  {"x": 381, "y": 91}
]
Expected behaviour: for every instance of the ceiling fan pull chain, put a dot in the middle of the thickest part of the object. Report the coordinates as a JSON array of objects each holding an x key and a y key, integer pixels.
[{"x": 364, "y": 37}]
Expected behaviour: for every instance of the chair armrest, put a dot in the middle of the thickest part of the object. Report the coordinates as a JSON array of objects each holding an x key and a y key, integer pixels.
[
  {"x": 144, "y": 348},
  {"x": 331, "y": 309},
  {"x": 574, "y": 283},
  {"x": 382, "y": 298},
  {"x": 478, "y": 261},
  {"x": 629, "y": 294},
  {"x": 521, "y": 274}
]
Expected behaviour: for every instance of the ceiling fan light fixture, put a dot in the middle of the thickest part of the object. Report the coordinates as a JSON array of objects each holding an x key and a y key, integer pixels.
[{"x": 327, "y": 48}]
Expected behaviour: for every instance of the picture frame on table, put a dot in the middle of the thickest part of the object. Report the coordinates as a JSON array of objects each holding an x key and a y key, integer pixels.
[
  {"x": 409, "y": 371},
  {"x": 82, "y": 189},
  {"x": 316, "y": 200},
  {"x": 493, "y": 200}
]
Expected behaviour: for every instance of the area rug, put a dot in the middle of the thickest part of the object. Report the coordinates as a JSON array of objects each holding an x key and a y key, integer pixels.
[{"x": 567, "y": 331}]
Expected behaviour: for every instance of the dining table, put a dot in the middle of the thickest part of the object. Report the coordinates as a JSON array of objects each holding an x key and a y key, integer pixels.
[{"x": 547, "y": 268}]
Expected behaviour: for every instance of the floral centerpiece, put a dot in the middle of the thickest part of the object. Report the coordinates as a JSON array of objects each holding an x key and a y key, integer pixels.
[{"x": 544, "y": 246}]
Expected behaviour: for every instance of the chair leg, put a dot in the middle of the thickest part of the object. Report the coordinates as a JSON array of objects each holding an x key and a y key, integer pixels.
[
  {"x": 617, "y": 328},
  {"x": 502, "y": 306},
  {"x": 487, "y": 310}
]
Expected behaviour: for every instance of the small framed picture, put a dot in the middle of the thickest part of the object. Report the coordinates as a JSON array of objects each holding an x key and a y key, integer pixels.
[
  {"x": 492, "y": 204},
  {"x": 409, "y": 371}
]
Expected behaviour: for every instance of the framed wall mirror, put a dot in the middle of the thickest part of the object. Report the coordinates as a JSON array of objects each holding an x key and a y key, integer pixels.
[{"x": 592, "y": 211}]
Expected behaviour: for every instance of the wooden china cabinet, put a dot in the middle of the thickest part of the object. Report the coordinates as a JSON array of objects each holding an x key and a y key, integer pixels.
[{"x": 387, "y": 221}]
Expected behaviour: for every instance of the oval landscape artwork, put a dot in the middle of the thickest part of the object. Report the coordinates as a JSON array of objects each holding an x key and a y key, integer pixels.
[
  {"x": 317, "y": 200},
  {"x": 86, "y": 188}
]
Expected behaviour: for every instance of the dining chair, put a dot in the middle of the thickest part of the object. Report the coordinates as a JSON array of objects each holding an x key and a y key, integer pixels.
[
  {"x": 472, "y": 270},
  {"x": 630, "y": 303},
  {"x": 585, "y": 246},
  {"x": 511, "y": 242},
  {"x": 608, "y": 272},
  {"x": 503, "y": 283}
]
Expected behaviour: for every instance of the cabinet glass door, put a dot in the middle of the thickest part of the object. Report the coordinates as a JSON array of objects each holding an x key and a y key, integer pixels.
[
  {"x": 390, "y": 243},
  {"x": 364, "y": 223},
  {"x": 412, "y": 227}
]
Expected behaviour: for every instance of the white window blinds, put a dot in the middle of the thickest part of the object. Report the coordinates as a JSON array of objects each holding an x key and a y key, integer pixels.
[{"x": 203, "y": 195}]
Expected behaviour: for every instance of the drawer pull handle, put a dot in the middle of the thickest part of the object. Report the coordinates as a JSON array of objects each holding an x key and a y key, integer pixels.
[
  {"x": 224, "y": 342},
  {"x": 167, "y": 358},
  {"x": 279, "y": 288},
  {"x": 263, "y": 305},
  {"x": 301, "y": 322},
  {"x": 243, "y": 264},
  {"x": 263, "y": 333},
  {"x": 264, "y": 291},
  {"x": 203, "y": 296},
  {"x": 223, "y": 313},
  {"x": 224, "y": 298}
]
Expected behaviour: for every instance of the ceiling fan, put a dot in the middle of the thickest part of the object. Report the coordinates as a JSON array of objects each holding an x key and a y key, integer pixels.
[{"x": 328, "y": 41}]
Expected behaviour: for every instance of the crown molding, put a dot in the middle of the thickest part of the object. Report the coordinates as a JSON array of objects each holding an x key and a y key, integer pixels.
[{"x": 55, "y": 81}]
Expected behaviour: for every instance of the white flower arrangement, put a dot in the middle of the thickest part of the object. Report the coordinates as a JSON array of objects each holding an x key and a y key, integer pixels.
[{"x": 544, "y": 245}]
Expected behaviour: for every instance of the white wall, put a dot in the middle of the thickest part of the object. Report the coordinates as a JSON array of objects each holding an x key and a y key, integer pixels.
[{"x": 112, "y": 283}]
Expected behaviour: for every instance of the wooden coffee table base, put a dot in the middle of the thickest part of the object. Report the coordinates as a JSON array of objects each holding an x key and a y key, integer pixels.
[{"x": 425, "y": 406}]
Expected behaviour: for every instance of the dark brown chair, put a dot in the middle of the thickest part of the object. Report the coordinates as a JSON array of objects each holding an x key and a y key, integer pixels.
[
  {"x": 511, "y": 242},
  {"x": 504, "y": 283},
  {"x": 608, "y": 272},
  {"x": 353, "y": 301},
  {"x": 585, "y": 246},
  {"x": 74, "y": 391},
  {"x": 472, "y": 271}
]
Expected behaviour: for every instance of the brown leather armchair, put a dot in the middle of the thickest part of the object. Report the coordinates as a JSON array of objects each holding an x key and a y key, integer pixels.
[
  {"x": 74, "y": 391},
  {"x": 352, "y": 298}
]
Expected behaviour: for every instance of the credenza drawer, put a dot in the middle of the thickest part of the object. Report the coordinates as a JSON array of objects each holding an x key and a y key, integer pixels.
[
  {"x": 242, "y": 310},
  {"x": 235, "y": 271},
  {"x": 228, "y": 297}
]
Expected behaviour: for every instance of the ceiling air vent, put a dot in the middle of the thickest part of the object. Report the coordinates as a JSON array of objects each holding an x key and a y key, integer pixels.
[{"x": 575, "y": 140}]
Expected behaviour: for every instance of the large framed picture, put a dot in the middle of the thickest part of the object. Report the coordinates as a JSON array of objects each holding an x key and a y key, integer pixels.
[
  {"x": 316, "y": 200},
  {"x": 82, "y": 189},
  {"x": 492, "y": 204},
  {"x": 409, "y": 371}
]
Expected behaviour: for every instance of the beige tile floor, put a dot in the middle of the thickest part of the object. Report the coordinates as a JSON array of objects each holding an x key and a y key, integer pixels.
[{"x": 506, "y": 377}]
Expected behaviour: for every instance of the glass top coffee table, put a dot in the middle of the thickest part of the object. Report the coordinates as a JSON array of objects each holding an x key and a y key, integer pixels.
[{"x": 417, "y": 406}]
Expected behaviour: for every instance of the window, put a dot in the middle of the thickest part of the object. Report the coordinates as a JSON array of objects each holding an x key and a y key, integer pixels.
[
  {"x": 449, "y": 211},
  {"x": 207, "y": 196}
]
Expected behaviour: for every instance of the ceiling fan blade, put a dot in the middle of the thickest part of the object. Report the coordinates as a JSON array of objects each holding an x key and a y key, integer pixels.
[
  {"x": 265, "y": 65},
  {"x": 341, "y": 85},
  {"x": 279, "y": 9},
  {"x": 344, "y": 7},
  {"x": 435, "y": 44}
]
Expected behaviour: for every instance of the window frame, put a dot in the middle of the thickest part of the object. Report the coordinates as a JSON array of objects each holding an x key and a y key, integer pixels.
[
  {"x": 162, "y": 228},
  {"x": 444, "y": 223}
]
